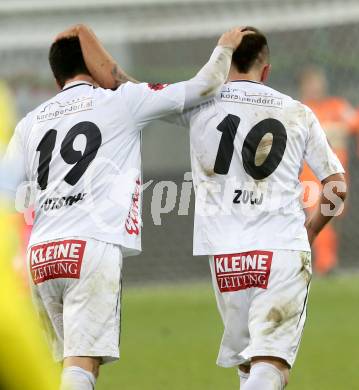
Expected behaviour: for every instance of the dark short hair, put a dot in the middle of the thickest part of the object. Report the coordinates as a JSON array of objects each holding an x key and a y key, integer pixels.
[
  {"x": 253, "y": 49},
  {"x": 66, "y": 60}
]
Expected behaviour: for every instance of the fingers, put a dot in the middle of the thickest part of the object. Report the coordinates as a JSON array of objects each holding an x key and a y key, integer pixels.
[
  {"x": 63, "y": 35},
  {"x": 70, "y": 32},
  {"x": 234, "y": 37},
  {"x": 247, "y": 32}
]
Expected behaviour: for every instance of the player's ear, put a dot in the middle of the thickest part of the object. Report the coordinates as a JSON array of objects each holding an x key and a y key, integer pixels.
[{"x": 265, "y": 72}]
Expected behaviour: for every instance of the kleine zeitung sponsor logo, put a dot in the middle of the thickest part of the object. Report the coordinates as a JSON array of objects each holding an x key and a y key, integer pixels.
[
  {"x": 240, "y": 271},
  {"x": 59, "y": 259}
]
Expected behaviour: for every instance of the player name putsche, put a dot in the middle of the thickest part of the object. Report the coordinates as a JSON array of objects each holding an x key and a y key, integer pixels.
[{"x": 58, "y": 203}]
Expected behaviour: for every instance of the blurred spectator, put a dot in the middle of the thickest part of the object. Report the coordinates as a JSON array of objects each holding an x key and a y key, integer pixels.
[{"x": 337, "y": 118}]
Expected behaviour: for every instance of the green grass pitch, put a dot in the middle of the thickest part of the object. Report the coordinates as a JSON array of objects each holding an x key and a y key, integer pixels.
[{"x": 170, "y": 337}]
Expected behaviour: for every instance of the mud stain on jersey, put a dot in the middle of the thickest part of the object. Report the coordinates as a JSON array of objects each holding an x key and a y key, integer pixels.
[
  {"x": 208, "y": 171},
  {"x": 306, "y": 270},
  {"x": 209, "y": 91},
  {"x": 204, "y": 163},
  {"x": 279, "y": 316},
  {"x": 102, "y": 282},
  {"x": 217, "y": 81},
  {"x": 294, "y": 118}
]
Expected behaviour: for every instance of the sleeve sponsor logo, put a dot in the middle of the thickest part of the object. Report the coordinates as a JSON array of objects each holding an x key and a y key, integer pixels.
[
  {"x": 133, "y": 220},
  {"x": 243, "y": 270},
  {"x": 157, "y": 86},
  {"x": 59, "y": 259}
]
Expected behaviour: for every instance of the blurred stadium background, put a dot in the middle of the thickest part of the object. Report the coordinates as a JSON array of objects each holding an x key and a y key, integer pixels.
[{"x": 167, "y": 41}]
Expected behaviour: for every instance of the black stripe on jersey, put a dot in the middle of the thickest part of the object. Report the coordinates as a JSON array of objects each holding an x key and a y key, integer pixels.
[
  {"x": 119, "y": 303},
  {"x": 305, "y": 303},
  {"x": 77, "y": 85},
  {"x": 245, "y": 81},
  {"x": 305, "y": 307}
]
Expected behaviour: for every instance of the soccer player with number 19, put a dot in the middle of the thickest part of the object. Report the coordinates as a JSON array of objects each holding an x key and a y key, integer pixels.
[{"x": 82, "y": 150}]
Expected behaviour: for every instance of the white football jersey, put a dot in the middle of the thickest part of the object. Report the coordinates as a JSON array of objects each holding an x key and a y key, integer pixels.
[
  {"x": 81, "y": 153},
  {"x": 247, "y": 151}
]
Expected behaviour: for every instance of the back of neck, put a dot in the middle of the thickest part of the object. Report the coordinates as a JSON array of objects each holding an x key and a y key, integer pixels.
[
  {"x": 250, "y": 76},
  {"x": 81, "y": 77}
]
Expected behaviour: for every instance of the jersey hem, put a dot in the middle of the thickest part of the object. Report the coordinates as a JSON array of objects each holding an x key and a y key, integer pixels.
[
  {"x": 222, "y": 251},
  {"x": 127, "y": 250}
]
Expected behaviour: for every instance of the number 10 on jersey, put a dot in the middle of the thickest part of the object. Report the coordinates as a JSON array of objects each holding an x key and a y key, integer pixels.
[{"x": 229, "y": 126}]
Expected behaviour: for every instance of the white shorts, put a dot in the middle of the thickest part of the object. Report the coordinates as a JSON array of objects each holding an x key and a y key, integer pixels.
[
  {"x": 76, "y": 288},
  {"x": 262, "y": 298}
]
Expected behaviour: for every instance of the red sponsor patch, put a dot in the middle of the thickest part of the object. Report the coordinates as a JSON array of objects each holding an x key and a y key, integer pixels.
[
  {"x": 133, "y": 221},
  {"x": 243, "y": 270},
  {"x": 59, "y": 259},
  {"x": 157, "y": 86}
]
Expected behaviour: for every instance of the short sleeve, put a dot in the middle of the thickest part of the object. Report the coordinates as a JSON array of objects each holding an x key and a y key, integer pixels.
[
  {"x": 318, "y": 153},
  {"x": 12, "y": 166},
  {"x": 147, "y": 102}
]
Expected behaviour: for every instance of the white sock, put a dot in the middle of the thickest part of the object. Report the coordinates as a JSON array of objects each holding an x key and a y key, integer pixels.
[
  {"x": 243, "y": 377},
  {"x": 264, "y": 376},
  {"x": 76, "y": 378}
]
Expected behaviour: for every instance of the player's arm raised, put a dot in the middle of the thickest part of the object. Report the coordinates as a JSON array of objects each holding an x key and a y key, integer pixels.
[
  {"x": 148, "y": 102},
  {"x": 108, "y": 74},
  {"x": 101, "y": 65},
  {"x": 210, "y": 79}
]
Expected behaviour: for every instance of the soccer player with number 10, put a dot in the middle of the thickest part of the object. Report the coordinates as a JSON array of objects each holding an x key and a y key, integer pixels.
[
  {"x": 247, "y": 150},
  {"x": 248, "y": 145}
]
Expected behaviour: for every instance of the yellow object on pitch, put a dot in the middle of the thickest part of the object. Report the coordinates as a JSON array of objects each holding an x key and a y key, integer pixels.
[
  {"x": 7, "y": 115},
  {"x": 25, "y": 361}
]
